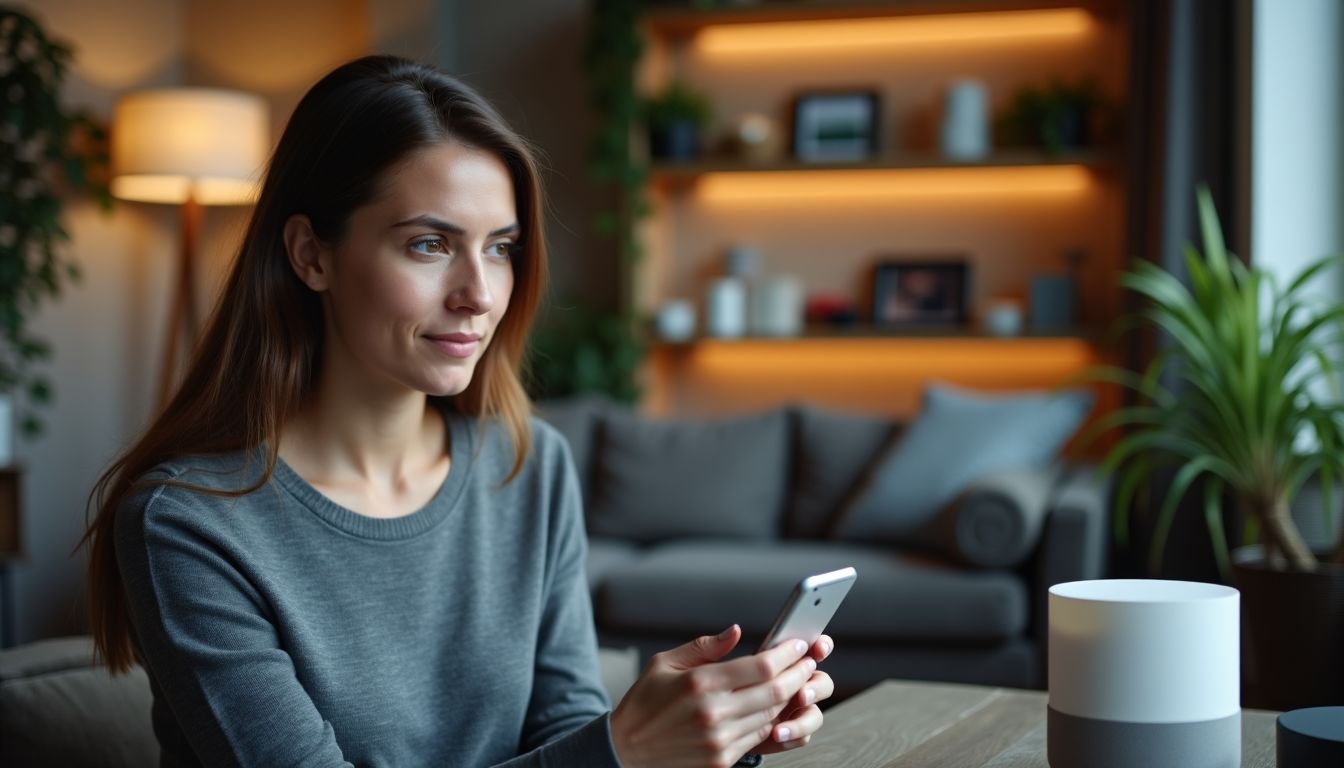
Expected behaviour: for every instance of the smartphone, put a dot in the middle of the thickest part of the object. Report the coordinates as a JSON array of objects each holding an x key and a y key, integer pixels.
[{"x": 810, "y": 608}]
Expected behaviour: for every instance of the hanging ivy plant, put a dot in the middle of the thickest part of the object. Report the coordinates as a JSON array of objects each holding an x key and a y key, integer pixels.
[{"x": 44, "y": 149}]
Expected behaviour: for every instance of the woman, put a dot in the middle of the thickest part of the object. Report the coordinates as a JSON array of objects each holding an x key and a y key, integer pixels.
[{"x": 344, "y": 541}]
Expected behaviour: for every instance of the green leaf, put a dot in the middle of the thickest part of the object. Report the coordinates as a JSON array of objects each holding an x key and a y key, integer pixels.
[
  {"x": 1213, "y": 520},
  {"x": 1179, "y": 485}
]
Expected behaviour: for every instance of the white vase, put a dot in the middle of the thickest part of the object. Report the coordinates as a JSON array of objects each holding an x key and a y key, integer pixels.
[{"x": 965, "y": 130}]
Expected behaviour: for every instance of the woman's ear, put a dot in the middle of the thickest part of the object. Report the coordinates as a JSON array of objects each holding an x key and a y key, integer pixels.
[{"x": 309, "y": 259}]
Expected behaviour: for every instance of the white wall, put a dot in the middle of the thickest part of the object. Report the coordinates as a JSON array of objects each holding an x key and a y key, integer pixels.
[
  {"x": 106, "y": 330},
  {"x": 1297, "y": 135}
]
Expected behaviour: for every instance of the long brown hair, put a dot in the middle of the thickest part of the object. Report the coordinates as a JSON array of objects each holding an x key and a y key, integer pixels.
[{"x": 260, "y": 354}]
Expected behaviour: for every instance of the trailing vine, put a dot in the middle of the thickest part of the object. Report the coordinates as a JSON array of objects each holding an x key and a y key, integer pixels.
[{"x": 44, "y": 150}]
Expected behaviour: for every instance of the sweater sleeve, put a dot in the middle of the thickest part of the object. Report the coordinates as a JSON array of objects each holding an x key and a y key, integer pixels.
[
  {"x": 210, "y": 648},
  {"x": 567, "y": 692}
]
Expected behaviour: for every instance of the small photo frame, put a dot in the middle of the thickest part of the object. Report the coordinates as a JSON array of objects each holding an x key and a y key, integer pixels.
[
  {"x": 835, "y": 126},
  {"x": 923, "y": 293}
]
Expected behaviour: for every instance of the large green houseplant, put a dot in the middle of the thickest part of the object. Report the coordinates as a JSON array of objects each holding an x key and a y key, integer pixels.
[
  {"x": 1245, "y": 404},
  {"x": 45, "y": 150}
]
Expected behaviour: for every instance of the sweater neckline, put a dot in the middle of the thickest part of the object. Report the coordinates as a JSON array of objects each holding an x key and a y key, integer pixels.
[{"x": 460, "y": 450}]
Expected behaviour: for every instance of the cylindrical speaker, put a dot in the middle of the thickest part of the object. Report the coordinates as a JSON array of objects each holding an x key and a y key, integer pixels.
[{"x": 1144, "y": 673}]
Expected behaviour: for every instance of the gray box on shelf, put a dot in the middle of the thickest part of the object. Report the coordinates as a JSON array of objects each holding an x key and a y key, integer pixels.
[{"x": 1052, "y": 303}]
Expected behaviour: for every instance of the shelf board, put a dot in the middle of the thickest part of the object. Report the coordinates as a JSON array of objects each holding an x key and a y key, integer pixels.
[
  {"x": 682, "y": 22},
  {"x": 883, "y": 336},
  {"x": 683, "y": 173}
]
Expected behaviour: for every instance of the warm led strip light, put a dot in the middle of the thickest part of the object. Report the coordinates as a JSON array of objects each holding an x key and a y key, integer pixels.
[
  {"x": 1037, "y": 25},
  {"x": 881, "y": 184},
  {"x": 909, "y": 357}
]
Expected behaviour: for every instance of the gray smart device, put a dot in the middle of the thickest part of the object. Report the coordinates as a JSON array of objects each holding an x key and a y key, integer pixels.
[{"x": 810, "y": 608}]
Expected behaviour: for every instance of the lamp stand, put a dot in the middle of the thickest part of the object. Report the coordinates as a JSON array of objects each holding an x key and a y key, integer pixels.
[{"x": 182, "y": 322}]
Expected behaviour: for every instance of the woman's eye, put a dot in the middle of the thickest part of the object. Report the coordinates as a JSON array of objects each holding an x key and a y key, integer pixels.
[
  {"x": 504, "y": 250},
  {"x": 433, "y": 246}
]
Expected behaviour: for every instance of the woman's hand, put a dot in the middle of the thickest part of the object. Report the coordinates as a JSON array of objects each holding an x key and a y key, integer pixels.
[{"x": 689, "y": 709}]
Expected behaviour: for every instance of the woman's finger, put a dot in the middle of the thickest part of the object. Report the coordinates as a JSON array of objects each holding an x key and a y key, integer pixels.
[
  {"x": 774, "y": 694},
  {"x": 748, "y": 670},
  {"x": 819, "y": 687},
  {"x": 822, "y": 648},
  {"x": 796, "y": 732}
]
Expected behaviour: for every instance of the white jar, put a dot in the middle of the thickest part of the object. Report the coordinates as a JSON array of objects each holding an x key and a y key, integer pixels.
[{"x": 776, "y": 306}]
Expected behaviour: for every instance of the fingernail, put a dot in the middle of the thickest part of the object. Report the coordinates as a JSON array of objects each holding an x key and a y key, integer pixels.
[
  {"x": 783, "y": 735},
  {"x": 800, "y": 646},
  {"x": 811, "y": 665},
  {"x": 809, "y": 695},
  {"x": 725, "y": 633},
  {"x": 825, "y": 648}
]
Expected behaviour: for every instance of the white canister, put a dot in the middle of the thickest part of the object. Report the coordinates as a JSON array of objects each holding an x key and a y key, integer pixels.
[
  {"x": 1144, "y": 673},
  {"x": 726, "y": 308},
  {"x": 965, "y": 129},
  {"x": 776, "y": 306}
]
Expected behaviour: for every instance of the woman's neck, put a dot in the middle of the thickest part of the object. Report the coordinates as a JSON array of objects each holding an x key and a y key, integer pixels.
[{"x": 353, "y": 431}]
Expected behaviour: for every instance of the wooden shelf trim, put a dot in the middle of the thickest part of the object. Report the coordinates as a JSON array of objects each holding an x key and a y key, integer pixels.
[{"x": 681, "y": 173}]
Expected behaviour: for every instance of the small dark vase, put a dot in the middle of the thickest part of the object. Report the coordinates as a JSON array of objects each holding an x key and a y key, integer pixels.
[
  {"x": 1293, "y": 632},
  {"x": 676, "y": 141}
]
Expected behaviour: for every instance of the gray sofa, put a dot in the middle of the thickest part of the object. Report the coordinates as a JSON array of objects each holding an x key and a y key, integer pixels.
[
  {"x": 695, "y": 525},
  {"x": 59, "y": 708}
]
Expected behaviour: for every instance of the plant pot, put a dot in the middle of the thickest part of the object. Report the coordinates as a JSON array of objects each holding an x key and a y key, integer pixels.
[
  {"x": 1293, "y": 633},
  {"x": 677, "y": 141}
]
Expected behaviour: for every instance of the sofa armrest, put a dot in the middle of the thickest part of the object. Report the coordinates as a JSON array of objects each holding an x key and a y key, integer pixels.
[{"x": 1073, "y": 544}]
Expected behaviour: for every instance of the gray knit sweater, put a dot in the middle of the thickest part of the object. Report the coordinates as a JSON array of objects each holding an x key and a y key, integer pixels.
[{"x": 281, "y": 629}]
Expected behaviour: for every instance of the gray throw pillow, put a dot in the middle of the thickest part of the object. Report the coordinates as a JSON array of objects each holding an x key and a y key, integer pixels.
[
  {"x": 997, "y": 521},
  {"x": 958, "y": 437},
  {"x": 659, "y": 480},
  {"x": 834, "y": 448}
]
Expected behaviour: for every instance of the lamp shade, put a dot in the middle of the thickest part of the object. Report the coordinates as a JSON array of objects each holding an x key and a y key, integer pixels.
[{"x": 174, "y": 143}]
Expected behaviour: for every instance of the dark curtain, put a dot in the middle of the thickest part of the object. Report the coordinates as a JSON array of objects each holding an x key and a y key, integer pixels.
[{"x": 1188, "y": 124}]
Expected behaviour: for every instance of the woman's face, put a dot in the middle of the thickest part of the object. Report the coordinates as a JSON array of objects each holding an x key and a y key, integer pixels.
[{"x": 423, "y": 276}]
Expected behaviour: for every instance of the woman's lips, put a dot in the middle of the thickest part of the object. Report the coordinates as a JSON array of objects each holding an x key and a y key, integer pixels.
[{"x": 456, "y": 345}]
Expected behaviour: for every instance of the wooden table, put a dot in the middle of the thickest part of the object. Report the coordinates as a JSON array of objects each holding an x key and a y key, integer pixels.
[{"x": 930, "y": 725}]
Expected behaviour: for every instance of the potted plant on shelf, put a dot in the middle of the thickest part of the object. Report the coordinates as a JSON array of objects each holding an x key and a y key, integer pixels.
[
  {"x": 1244, "y": 403},
  {"x": 44, "y": 150},
  {"x": 1057, "y": 117},
  {"x": 676, "y": 118}
]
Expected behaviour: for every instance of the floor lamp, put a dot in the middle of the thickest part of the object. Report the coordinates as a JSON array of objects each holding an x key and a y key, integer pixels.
[{"x": 190, "y": 147}]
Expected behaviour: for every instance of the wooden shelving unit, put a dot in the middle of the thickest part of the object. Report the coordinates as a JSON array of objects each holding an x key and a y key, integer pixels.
[{"x": 1014, "y": 213}]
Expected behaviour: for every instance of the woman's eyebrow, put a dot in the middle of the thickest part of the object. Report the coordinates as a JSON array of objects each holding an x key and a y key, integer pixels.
[{"x": 433, "y": 222}]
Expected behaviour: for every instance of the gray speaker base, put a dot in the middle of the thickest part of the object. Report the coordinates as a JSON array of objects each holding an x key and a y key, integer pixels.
[{"x": 1080, "y": 742}]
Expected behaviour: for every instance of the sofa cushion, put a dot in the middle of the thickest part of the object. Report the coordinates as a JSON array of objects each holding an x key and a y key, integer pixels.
[
  {"x": 701, "y": 587},
  {"x": 606, "y": 554},
  {"x": 833, "y": 449},
  {"x": 577, "y": 418},
  {"x": 658, "y": 480},
  {"x": 996, "y": 522},
  {"x": 57, "y": 707},
  {"x": 957, "y": 437}
]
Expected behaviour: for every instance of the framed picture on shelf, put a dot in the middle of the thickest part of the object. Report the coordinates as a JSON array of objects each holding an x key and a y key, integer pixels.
[
  {"x": 920, "y": 293},
  {"x": 835, "y": 126}
]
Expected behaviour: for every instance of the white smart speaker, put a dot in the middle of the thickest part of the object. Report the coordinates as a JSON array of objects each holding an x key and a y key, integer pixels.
[{"x": 1144, "y": 673}]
